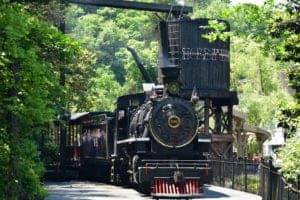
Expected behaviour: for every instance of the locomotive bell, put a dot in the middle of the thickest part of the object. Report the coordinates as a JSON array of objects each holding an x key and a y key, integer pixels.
[
  {"x": 173, "y": 88},
  {"x": 170, "y": 78}
]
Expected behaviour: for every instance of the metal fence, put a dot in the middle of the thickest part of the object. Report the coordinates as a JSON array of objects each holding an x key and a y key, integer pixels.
[
  {"x": 258, "y": 178},
  {"x": 239, "y": 174},
  {"x": 274, "y": 187}
]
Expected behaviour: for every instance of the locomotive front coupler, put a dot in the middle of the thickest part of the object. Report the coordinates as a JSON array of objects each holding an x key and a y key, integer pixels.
[{"x": 178, "y": 176}]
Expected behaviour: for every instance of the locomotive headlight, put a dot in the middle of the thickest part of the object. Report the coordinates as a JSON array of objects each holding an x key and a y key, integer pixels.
[
  {"x": 173, "y": 88},
  {"x": 174, "y": 121}
]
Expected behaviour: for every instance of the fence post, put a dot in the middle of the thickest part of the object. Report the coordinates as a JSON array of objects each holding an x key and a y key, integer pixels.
[
  {"x": 223, "y": 173},
  {"x": 232, "y": 174},
  {"x": 280, "y": 185},
  {"x": 270, "y": 180},
  {"x": 63, "y": 125},
  {"x": 220, "y": 170},
  {"x": 262, "y": 179},
  {"x": 245, "y": 173},
  {"x": 298, "y": 186}
]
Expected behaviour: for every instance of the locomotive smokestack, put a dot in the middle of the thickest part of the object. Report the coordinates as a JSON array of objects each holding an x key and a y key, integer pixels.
[{"x": 141, "y": 67}]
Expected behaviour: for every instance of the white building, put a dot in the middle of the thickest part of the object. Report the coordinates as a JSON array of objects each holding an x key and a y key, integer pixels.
[{"x": 277, "y": 140}]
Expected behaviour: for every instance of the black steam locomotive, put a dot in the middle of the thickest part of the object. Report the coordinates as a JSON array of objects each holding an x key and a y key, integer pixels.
[{"x": 156, "y": 139}]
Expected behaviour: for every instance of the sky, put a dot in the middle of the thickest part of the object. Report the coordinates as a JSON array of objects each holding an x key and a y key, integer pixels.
[{"x": 257, "y": 2}]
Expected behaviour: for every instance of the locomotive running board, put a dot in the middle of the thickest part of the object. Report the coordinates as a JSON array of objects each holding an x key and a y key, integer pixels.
[{"x": 133, "y": 139}]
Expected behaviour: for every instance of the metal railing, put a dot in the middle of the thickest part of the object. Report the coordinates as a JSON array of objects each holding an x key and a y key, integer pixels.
[
  {"x": 258, "y": 178},
  {"x": 239, "y": 174},
  {"x": 274, "y": 187}
]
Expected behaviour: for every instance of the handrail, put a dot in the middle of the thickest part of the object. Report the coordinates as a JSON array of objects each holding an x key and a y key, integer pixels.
[
  {"x": 268, "y": 179},
  {"x": 289, "y": 185}
]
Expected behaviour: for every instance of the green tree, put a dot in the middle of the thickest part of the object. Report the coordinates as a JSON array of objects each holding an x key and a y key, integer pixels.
[
  {"x": 252, "y": 148},
  {"x": 104, "y": 90},
  {"x": 75, "y": 76},
  {"x": 254, "y": 71},
  {"x": 246, "y": 20},
  {"x": 255, "y": 77},
  {"x": 102, "y": 36},
  {"x": 32, "y": 54},
  {"x": 107, "y": 32},
  {"x": 290, "y": 156},
  {"x": 285, "y": 30},
  {"x": 284, "y": 27}
]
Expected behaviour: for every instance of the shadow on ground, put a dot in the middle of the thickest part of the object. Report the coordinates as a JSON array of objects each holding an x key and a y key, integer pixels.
[{"x": 209, "y": 192}]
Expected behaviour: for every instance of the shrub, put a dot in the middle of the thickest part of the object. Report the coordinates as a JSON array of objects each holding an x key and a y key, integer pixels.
[
  {"x": 20, "y": 170},
  {"x": 290, "y": 156},
  {"x": 252, "y": 183},
  {"x": 51, "y": 152}
]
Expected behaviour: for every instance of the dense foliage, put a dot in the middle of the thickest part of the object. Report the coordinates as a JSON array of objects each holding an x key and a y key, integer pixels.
[
  {"x": 33, "y": 55},
  {"x": 254, "y": 70},
  {"x": 285, "y": 28},
  {"x": 108, "y": 32},
  {"x": 290, "y": 156}
]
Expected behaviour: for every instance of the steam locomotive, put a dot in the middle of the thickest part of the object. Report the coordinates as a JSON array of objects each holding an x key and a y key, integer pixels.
[{"x": 157, "y": 139}]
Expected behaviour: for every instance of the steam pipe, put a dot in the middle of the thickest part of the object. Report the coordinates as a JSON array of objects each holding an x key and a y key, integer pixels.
[{"x": 141, "y": 67}]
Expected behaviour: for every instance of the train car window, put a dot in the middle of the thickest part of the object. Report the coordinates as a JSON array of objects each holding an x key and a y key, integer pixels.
[
  {"x": 134, "y": 102},
  {"x": 122, "y": 124},
  {"x": 121, "y": 114},
  {"x": 94, "y": 140}
]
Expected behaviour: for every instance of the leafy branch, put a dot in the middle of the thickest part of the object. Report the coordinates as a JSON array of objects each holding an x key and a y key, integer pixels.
[{"x": 218, "y": 31}]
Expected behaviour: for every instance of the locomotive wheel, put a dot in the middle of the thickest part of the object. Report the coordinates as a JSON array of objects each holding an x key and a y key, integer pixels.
[{"x": 123, "y": 171}]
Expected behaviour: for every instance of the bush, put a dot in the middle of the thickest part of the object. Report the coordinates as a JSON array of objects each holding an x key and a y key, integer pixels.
[
  {"x": 21, "y": 170},
  {"x": 50, "y": 152},
  {"x": 252, "y": 183},
  {"x": 290, "y": 156},
  {"x": 5, "y": 152}
]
